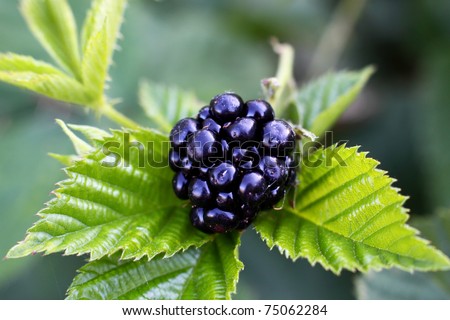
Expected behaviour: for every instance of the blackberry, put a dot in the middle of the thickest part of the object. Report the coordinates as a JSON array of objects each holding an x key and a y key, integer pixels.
[
  {"x": 242, "y": 130},
  {"x": 252, "y": 189},
  {"x": 220, "y": 221},
  {"x": 182, "y": 130},
  {"x": 260, "y": 110},
  {"x": 225, "y": 200},
  {"x": 199, "y": 192},
  {"x": 278, "y": 137},
  {"x": 222, "y": 176},
  {"x": 231, "y": 161},
  {"x": 226, "y": 107},
  {"x": 197, "y": 219},
  {"x": 180, "y": 184},
  {"x": 203, "y": 147}
]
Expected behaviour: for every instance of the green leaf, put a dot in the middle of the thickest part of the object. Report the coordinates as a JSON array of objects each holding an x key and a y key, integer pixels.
[
  {"x": 81, "y": 147},
  {"x": 106, "y": 15},
  {"x": 93, "y": 134},
  {"x": 118, "y": 197},
  {"x": 25, "y": 173},
  {"x": 210, "y": 272},
  {"x": 348, "y": 215},
  {"x": 321, "y": 102},
  {"x": 65, "y": 159},
  {"x": 95, "y": 63},
  {"x": 11, "y": 62},
  {"x": 40, "y": 77},
  {"x": 53, "y": 24},
  {"x": 395, "y": 284},
  {"x": 166, "y": 105}
]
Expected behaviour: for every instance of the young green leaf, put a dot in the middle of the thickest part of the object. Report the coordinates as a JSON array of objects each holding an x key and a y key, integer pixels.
[
  {"x": 321, "y": 102},
  {"x": 11, "y": 62},
  {"x": 65, "y": 159},
  {"x": 166, "y": 105},
  {"x": 95, "y": 63},
  {"x": 93, "y": 134},
  {"x": 53, "y": 24},
  {"x": 107, "y": 15},
  {"x": 116, "y": 198},
  {"x": 396, "y": 284},
  {"x": 210, "y": 272},
  {"x": 348, "y": 215},
  {"x": 81, "y": 147},
  {"x": 41, "y": 77}
]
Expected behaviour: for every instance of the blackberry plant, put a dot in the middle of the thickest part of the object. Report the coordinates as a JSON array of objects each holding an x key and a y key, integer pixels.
[{"x": 151, "y": 235}]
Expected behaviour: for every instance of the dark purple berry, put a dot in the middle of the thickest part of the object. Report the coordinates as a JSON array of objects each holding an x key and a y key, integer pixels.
[
  {"x": 245, "y": 159},
  {"x": 223, "y": 176},
  {"x": 180, "y": 183},
  {"x": 199, "y": 192},
  {"x": 247, "y": 215},
  {"x": 242, "y": 130},
  {"x": 291, "y": 165},
  {"x": 232, "y": 161},
  {"x": 211, "y": 125},
  {"x": 252, "y": 189},
  {"x": 226, "y": 107},
  {"x": 225, "y": 147},
  {"x": 175, "y": 162},
  {"x": 278, "y": 138},
  {"x": 259, "y": 110},
  {"x": 203, "y": 147},
  {"x": 226, "y": 201},
  {"x": 203, "y": 172},
  {"x": 197, "y": 219},
  {"x": 203, "y": 114},
  {"x": 220, "y": 221},
  {"x": 274, "y": 170},
  {"x": 178, "y": 162},
  {"x": 182, "y": 130},
  {"x": 274, "y": 196}
]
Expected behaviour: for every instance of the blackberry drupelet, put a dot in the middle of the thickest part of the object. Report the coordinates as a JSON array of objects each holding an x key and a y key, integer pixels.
[{"x": 231, "y": 161}]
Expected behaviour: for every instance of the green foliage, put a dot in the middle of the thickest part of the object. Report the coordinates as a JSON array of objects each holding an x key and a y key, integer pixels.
[
  {"x": 210, "y": 272},
  {"x": 95, "y": 63},
  {"x": 39, "y": 172},
  {"x": 320, "y": 103},
  {"x": 166, "y": 105},
  {"x": 81, "y": 147},
  {"x": 106, "y": 15},
  {"x": 347, "y": 215},
  {"x": 116, "y": 204},
  {"x": 42, "y": 78},
  {"x": 116, "y": 198},
  {"x": 53, "y": 24},
  {"x": 99, "y": 36},
  {"x": 395, "y": 284}
]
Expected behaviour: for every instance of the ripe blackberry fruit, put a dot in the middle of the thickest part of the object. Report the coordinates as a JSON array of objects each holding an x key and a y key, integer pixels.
[{"x": 231, "y": 161}]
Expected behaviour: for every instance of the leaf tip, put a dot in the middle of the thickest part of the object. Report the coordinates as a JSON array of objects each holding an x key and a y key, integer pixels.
[{"x": 80, "y": 146}]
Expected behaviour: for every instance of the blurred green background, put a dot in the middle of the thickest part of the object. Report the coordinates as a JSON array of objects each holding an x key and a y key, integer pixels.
[{"x": 402, "y": 118}]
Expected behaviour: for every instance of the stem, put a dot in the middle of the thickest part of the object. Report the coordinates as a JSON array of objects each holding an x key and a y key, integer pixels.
[
  {"x": 108, "y": 111},
  {"x": 285, "y": 64},
  {"x": 336, "y": 36},
  {"x": 283, "y": 83}
]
